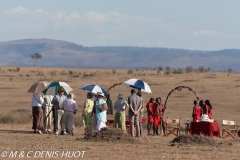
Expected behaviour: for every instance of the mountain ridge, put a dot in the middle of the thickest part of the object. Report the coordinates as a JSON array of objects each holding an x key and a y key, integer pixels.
[{"x": 64, "y": 53}]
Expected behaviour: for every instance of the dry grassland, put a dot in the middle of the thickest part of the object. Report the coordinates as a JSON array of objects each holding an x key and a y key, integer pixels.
[{"x": 222, "y": 89}]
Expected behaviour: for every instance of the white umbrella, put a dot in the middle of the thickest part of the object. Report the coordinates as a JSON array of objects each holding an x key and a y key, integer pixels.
[
  {"x": 93, "y": 88},
  {"x": 52, "y": 88},
  {"x": 138, "y": 84}
]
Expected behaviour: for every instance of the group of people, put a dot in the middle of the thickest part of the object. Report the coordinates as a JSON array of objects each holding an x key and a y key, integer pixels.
[
  {"x": 62, "y": 108},
  {"x": 59, "y": 107},
  {"x": 95, "y": 116},
  {"x": 201, "y": 108}
]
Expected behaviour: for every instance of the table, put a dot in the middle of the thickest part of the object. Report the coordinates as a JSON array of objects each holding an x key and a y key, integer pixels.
[{"x": 207, "y": 128}]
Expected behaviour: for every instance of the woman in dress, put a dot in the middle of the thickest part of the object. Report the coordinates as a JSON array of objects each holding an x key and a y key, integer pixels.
[
  {"x": 209, "y": 106},
  {"x": 100, "y": 108},
  {"x": 120, "y": 118},
  {"x": 197, "y": 111},
  {"x": 86, "y": 113},
  {"x": 149, "y": 107}
]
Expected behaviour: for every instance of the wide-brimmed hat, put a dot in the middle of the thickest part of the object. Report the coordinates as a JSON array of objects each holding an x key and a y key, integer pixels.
[
  {"x": 61, "y": 89},
  {"x": 139, "y": 93},
  {"x": 71, "y": 96},
  {"x": 120, "y": 96},
  {"x": 100, "y": 94}
]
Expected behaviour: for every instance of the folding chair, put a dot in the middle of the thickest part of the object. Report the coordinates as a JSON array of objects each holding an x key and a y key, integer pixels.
[
  {"x": 230, "y": 128},
  {"x": 187, "y": 126},
  {"x": 172, "y": 126}
]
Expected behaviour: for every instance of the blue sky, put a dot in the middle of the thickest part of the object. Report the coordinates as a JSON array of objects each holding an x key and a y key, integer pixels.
[{"x": 186, "y": 24}]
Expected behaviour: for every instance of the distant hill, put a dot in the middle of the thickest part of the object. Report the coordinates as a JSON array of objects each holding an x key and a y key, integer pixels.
[{"x": 56, "y": 53}]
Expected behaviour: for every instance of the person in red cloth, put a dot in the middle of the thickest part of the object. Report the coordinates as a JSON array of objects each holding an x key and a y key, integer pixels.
[
  {"x": 149, "y": 107},
  {"x": 204, "y": 107},
  {"x": 197, "y": 111},
  {"x": 209, "y": 106},
  {"x": 157, "y": 115}
]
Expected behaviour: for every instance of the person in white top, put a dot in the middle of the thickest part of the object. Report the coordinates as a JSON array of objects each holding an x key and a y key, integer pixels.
[
  {"x": 37, "y": 112},
  {"x": 47, "y": 113}
]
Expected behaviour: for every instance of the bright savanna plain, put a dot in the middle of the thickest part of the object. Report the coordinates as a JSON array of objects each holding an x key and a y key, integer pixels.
[{"x": 221, "y": 88}]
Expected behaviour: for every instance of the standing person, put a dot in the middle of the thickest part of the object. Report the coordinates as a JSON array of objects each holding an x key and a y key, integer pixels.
[
  {"x": 100, "y": 108},
  {"x": 120, "y": 118},
  {"x": 37, "y": 112},
  {"x": 58, "y": 112},
  {"x": 70, "y": 107},
  {"x": 197, "y": 111},
  {"x": 86, "y": 113},
  {"x": 157, "y": 116},
  {"x": 47, "y": 113},
  {"x": 209, "y": 106},
  {"x": 134, "y": 103},
  {"x": 139, "y": 93},
  {"x": 204, "y": 108},
  {"x": 110, "y": 105},
  {"x": 149, "y": 107}
]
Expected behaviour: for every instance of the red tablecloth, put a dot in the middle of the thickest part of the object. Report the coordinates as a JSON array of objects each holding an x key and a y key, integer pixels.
[{"x": 207, "y": 128}]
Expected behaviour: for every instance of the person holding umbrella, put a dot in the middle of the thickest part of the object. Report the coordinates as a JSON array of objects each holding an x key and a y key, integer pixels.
[
  {"x": 37, "y": 112},
  {"x": 139, "y": 93},
  {"x": 58, "y": 112}
]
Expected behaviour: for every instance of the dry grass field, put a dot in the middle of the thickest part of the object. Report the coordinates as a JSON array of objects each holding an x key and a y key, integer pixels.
[{"x": 222, "y": 89}]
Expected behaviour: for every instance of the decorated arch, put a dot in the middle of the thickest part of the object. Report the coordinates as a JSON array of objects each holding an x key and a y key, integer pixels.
[
  {"x": 114, "y": 85},
  {"x": 179, "y": 88}
]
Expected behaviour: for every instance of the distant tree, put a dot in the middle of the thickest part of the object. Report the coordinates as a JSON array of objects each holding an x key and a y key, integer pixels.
[
  {"x": 167, "y": 69},
  {"x": 229, "y": 70},
  {"x": 159, "y": 69},
  {"x": 189, "y": 69},
  {"x": 201, "y": 69},
  {"x": 209, "y": 69},
  {"x": 36, "y": 56}
]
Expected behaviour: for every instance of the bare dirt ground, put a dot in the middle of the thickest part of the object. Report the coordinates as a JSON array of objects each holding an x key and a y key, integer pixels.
[{"x": 222, "y": 89}]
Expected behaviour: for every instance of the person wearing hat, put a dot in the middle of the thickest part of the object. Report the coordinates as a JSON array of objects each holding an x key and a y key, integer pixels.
[
  {"x": 139, "y": 93},
  {"x": 100, "y": 111},
  {"x": 134, "y": 102},
  {"x": 58, "y": 112},
  {"x": 70, "y": 108},
  {"x": 120, "y": 119}
]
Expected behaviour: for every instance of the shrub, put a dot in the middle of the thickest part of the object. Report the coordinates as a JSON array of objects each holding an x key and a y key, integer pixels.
[
  {"x": 189, "y": 69},
  {"x": 130, "y": 71},
  {"x": 53, "y": 73},
  {"x": 159, "y": 69},
  {"x": 113, "y": 71},
  {"x": 70, "y": 73},
  {"x": 18, "y": 69},
  {"x": 229, "y": 70},
  {"x": 201, "y": 69}
]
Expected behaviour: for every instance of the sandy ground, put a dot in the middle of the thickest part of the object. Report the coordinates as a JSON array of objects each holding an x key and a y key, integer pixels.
[{"x": 222, "y": 89}]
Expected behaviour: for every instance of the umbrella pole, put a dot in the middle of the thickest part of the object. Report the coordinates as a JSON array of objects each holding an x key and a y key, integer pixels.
[{"x": 48, "y": 115}]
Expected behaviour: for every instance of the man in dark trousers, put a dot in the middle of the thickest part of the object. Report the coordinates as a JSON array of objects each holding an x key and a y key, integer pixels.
[{"x": 110, "y": 106}]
